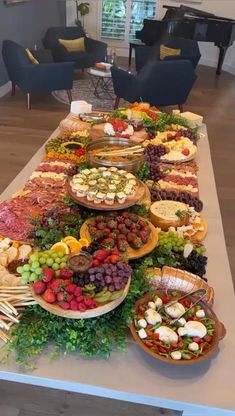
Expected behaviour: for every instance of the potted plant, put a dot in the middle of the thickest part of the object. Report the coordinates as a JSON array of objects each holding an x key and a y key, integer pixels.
[{"x": 82, "y": 10}]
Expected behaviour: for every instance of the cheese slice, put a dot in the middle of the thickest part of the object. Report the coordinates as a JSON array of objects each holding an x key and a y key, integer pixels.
[{"x": 163, "y": 214}]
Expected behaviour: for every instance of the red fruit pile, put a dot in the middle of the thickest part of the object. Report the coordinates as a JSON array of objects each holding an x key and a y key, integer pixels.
[
  {"x": 120, "y": 230},
  {"x": 106, "y": 256},
  {"x": 61, "y": 291}
]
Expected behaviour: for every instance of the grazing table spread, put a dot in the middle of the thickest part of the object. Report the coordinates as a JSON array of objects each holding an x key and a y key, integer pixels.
[{"x": 89, "y": 276}]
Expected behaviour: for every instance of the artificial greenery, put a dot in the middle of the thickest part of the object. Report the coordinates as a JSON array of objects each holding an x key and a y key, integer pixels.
[{"x": 90, "y": 337}]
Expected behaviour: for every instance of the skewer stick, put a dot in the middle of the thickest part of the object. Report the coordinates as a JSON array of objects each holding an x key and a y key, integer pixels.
[
  {"x": 4, "y": 325},
  {"x": 11, "y": 307}
]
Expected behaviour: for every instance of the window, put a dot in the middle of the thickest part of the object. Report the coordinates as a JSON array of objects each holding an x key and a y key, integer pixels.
[{"x": 122, "y": 18}]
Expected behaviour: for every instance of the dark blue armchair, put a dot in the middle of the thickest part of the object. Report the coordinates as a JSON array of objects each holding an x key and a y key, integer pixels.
[
  {"x": 189, "y": 51},
  {"x": 95, "y": 50},
  {"x": 35, "y": 77},
  {"x": 160, "y": 83}
]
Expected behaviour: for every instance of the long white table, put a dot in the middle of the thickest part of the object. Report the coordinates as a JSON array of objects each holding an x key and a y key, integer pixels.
[{"x": 200, "y": 389}]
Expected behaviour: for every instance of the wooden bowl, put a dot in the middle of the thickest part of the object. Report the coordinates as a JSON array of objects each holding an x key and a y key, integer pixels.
[
  {"x": 140, "y": 191},
  {"x": 102, "y": 309},
  {"x": 219, "y": 334},
  {"x": 131, "y": 252}
]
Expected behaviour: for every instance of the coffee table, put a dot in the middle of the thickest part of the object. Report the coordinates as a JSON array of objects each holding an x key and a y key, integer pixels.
[{"x": 102, "y": 83}]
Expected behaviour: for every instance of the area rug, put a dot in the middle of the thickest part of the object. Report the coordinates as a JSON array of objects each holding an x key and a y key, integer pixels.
[{"x": 84, "y": 90}]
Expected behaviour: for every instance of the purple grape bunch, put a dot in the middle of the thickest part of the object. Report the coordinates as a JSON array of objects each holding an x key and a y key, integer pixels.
[
  {"x": 189, "y": 134},
  {"x": 112, "y": 276},
  {"x": 155, "y": 152}
]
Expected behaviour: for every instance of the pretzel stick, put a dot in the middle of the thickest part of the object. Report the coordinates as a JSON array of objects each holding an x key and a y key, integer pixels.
[
  {"x": 33, "y": 302},
  {"x": 11, "y": 307},
  {"x": 12, "y": 318},
  {"x": 4, "y": 337},
  {"x": 4, "y": 325}
]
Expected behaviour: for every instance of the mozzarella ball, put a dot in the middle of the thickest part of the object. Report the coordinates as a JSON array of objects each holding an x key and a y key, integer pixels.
[
  {"x": 167, "y": 334},
  {"x": 176, "y": 355},
  {"x": 152, "y": 316},
  {"x": 193, "y": 346},
  {"x": 176, "y": 310},
  {"x": 158, "y": 302},
  {"x": 142, "y": 323},
  {"x": 181, "y": 321},
  {"x": 200, "y": 313},
  {"x": 181, "y": 331},
  {"x": 142, "y": 333},
  {"x": 195, "y": 329},
  {"x": 151, "y": 305}
]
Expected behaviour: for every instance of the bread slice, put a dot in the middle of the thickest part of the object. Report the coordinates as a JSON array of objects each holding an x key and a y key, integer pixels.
[{"x": 24, "y": 251}]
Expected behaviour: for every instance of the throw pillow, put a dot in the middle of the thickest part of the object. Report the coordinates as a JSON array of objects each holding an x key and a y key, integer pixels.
[
  {"x": 31, "y": 57},
  {"x": 165, "y": 51},
  {"x": 73, "y": 45}
]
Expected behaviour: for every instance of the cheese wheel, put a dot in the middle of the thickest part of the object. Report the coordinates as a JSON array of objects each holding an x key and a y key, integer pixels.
[{"x": 163, "y": 214}]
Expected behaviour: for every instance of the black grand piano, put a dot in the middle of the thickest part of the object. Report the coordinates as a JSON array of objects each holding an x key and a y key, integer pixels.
[{"x": 190, "y": 23}]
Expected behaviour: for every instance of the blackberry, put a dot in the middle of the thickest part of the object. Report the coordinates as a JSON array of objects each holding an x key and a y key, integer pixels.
[{"x": 195, "y": 263}]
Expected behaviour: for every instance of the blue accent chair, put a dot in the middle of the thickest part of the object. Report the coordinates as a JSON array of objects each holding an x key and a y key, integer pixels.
[
  {"x": 35, "y": 77},
  {"x": 160, "y": 83},
  {"x": 189, "y": 51},
  {"x": 95, "y": 50}
]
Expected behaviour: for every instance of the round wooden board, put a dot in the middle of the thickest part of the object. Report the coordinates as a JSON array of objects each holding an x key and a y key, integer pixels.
[
  {"x": 131, "y": 253},
  {"x": 89, "y": 313},
  {"x": 140, "y": 191}
]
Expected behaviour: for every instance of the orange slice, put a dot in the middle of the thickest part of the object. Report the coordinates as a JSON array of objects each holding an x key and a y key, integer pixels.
[
  {"x": 60, "y": 248},
  {"x": 84, "y": 242},
  {"x": 74, "y": 246},
  {"x": 69, "y": 238}
]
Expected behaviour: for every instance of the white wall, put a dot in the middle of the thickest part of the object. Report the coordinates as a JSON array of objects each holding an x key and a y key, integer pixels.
[{"x": 209, "y": 52}]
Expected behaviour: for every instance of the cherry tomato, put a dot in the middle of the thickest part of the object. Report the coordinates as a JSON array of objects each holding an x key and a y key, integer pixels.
[
  {"x": 185, "y": 152},
  {"x": 197, "y": 339},
  {"x": 155, "y": 336},
  {"x": 165, "y": 299},
  {"x": 185, "y": 303},
  {"x": 148, "y": 344},
  {"x": 161, "y": 349},
  {"x": 173, "y": 346},
  {"x": 208, "y": 338},
  {"x": 203, "y": 346}
]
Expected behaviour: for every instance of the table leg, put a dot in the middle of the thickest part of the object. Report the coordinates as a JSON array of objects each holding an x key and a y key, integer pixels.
[{"x": 130, "y": 56}]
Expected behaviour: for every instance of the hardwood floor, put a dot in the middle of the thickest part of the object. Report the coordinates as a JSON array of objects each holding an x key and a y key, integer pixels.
[{"x": 22, "y": 132}]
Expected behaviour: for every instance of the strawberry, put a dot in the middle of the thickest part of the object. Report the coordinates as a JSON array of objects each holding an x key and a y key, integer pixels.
[
  {"x": 127, "y": 222},
  {"x": 56, "y": 285},
  {"x": 101, "y": 254},
  {"x": 113, "y": 234},
  {"x": 130, "y": 237},
  {"x": 99, "y": 218},
  {"x": 88, "y": 301},
  {"x": 49, "y": 296},
  {"x": 48, "y": 274},
  {"x": 71, "y": 288},
  {"x": 95, "y": 263},
  {"x": 69, "y": 297},
  {"x": 121, "y": 237},
  {"x": 120, "y": 219},
  {"x": 107, "y": 260},
  {"x": 125, "y": 215},
  {"x": 185, "y": 152},
  {"x": 39, "y": 287},
  {"x": 78, "y": 291},
  {"x": 142, "y": 223},
  {"x": 114, "y": 258},
  {"x": 108, "y": 242},
  {"x": 64, "y": 304},
  {"x": 115, "y": 251},
  {"x": 65, "y": 273},
  {"x": 112, "y": 224},
  {"x": 61, "y": 296},
  {"x": 136, "y": 243},
  {"x": 99, "y": 235},
  {"x": 101, "y": 226},
  {"x": 74, "y": 305},
  {"x": 82, "y": 307},
  {"x": 122, "y": 228},
  {"x": 122, "y": 245},
  {"x": 144, "y": 237},
  {"x": 79, "y": 299}
]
